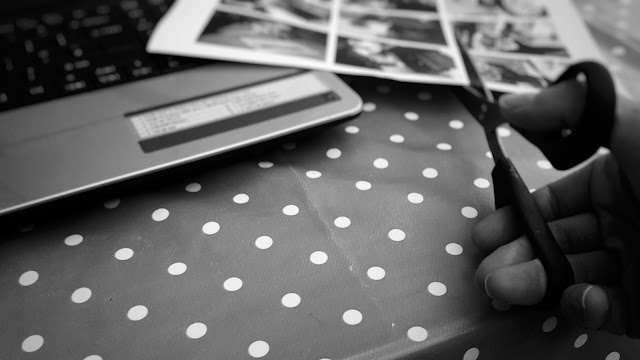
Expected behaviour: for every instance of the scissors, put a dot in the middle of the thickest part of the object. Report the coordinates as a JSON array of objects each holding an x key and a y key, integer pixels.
[{"x": 564, "y": 148}]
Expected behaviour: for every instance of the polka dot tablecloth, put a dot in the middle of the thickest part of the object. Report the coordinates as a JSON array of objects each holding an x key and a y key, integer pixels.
[{"x": 354, "y": 243}]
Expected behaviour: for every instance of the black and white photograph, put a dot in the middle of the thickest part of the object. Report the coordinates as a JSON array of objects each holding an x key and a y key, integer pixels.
[
  {"x": 516, "y": 8},
  {"x": 550, "y": 69},
  {"x": 520, "y": 72},
  {"x": 537, "y": 37},
  {"x": 375, "y": 55},
  {"x": 316, "y": 12},
  {"x": 424, "y": 29},
  {"x": 264, "y": 36},
  {"x": 385, "y": 5}
]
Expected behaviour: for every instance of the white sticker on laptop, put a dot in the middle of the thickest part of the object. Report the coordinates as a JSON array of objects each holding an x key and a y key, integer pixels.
[{"x": 206, "y": 115}]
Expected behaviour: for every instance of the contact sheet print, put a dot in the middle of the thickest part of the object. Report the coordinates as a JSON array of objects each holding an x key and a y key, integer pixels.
[{"x": 517, "y": 45}]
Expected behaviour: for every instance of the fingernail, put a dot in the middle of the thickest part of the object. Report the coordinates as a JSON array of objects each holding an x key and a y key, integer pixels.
[
  {"x": 515, "y": 101},
  {"x": 486, "y": 289}
]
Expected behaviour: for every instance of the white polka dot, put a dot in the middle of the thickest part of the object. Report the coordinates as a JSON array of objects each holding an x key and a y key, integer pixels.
[
  {"x": 81, "y": 295},
  {"x": 456, "y": 124},
  {"x": 411, "y": 116},
  {"x": 471, "y": 354},
  {"x": 193, "y": 187},
  {"x": 544, "y": 164},
  {"x": 334, "y": 153},
  {"x": 430, "y": 173},
  {"x": 396, "y": 138},
  {"x": 376, "y": 273},
  {"x": 417, "y": 334},
  {"x": 550, "y": 324},
  {"x": 369, "y": 106},
  {"x": 469, "y": 212},
  {"x": 381, "y": 163},
  {"x": 352, "y": 129},
  {"x": 232, "y": 284},
  {"x": 290, "y": 210},
  {"x": 289, "y": 146},
  {"x": 481, "y": 183},
  {"x": 613, "y": 356},
  {"x": 444, "y": 146},
  {"x": 352, "y": 317},
  {"x": 424, "y": 95},
  {"x": 73, "y": 240},
  {"x": 32, "y": 343},
  {"x": 437, "y": 288},
  {"x": 137, "y": 313},
  {"x": 196, "y": 330},
  {"x": 112, "y": 204},
  {"x": 28, "y": 278},
  {"x": 383, "y": 89},
  {"x": 363, "y": 185},
  {"x": 93, "y": 357},
  {"x": 124, "y": 254},
  {"x": 177, "y": 268},
  {"x": 265, "y": 164},
  {"x": 619, "y": 51},
  {"x": 241, "y": 199},
  {"x": 264, "y": 242},
  {"x": 453, "y": 249},
  {"x": 258, "y": 349},
  {"x": 211, "y": 228},
  {"x": 489, "y": 154},
  {"x": 500, "y": 306},
  {"x": 581, "y": 340},
  {"x": 318, "y": 257},
  {"x": 160, "y": 214},
  {"x": 603, "y": 151},
  {"x": 415, "y": 198},
  {"x": 503, "y": 132},
  {"x": 342, "y": 222},
  {"x": 397, "y": 235},
  {"x": 532, "y": 190},
  {"x": 291, "y": 300},
  {"x": 312, "y": 174}
]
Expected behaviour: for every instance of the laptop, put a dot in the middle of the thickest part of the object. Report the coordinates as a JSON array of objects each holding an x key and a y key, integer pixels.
[{"x": 82, "y": 105}]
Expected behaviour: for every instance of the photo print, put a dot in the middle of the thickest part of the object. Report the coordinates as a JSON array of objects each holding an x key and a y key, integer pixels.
[
  {"x": 423, "y": 29},
  {"x": 375, "y": 6},
  {"x": 314, "y": 12},
  {"x": 495, "y": 8},
  {"x": 387, "y": 58},
  {"x": 263, "y": 35},
  {"x": 515, "y": 72},
  {"x": 535, "y": 37}
]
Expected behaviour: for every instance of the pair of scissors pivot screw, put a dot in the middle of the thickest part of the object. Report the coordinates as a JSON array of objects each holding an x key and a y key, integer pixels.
[{"x": 564, "y": 148}]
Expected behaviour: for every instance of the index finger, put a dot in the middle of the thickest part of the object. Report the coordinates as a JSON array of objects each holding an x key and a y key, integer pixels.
[{"x": 566, "y": 197}]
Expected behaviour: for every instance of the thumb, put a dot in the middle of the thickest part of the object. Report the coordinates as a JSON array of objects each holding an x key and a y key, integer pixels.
[
  {"x": 556, "y": 107},
  {"x": 594, "y": 307}
]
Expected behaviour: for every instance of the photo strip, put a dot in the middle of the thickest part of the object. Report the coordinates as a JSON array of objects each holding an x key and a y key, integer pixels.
[{"x": 521, "y": 45}]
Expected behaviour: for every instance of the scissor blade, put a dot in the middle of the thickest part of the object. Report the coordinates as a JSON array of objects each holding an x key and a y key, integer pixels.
[{"x": 474, "y": 77}]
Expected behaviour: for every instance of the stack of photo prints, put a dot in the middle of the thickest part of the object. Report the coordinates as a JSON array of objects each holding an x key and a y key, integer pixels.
[{"x": 515, "y": 44}]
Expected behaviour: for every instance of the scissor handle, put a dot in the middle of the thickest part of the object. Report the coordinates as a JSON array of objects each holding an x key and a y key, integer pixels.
[
  {"x": 567, "y": 149},
  {"x": 557, "y": 268}
]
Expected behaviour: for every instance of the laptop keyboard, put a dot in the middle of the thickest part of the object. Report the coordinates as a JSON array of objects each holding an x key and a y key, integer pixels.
[{"x": 56, "y": 54}]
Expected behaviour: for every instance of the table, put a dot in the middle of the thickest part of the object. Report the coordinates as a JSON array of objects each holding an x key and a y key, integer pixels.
[{"x": 354, "y": 243}]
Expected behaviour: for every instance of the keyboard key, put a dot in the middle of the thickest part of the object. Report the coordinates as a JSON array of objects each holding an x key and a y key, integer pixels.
[{"x": 52, "y": 19}]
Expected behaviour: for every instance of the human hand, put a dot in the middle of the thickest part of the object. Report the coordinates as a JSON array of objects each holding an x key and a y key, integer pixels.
[{"x": 594, "y": 214}]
